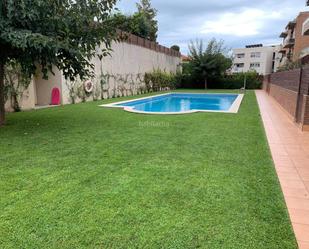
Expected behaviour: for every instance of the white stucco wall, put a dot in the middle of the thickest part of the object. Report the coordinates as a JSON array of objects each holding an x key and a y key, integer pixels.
[
  {"x": 27, "y": 100},
  {"x": 128, "y": 58},
  {"x": 127, "y": 63},
  {"x": 43, "y": 88}
]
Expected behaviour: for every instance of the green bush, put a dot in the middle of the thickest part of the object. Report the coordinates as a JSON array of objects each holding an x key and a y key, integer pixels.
[
  {"x": 186, "y": 79},
  {"x": 290, "y": 65},
  {"x": 236, "y": 81},
  {"x": 176, "y": 48},
  {"x": 159, "y": 80}
]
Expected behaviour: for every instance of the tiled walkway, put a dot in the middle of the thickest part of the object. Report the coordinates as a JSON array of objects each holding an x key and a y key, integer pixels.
[{"x": 290, "y": 150}]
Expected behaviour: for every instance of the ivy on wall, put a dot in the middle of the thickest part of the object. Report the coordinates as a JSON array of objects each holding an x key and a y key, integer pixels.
[
  {"x": 15, "y": 84},
  {"x": 105, "y": 85}
]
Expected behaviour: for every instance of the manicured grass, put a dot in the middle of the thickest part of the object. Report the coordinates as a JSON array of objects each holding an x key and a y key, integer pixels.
[{"x": 83, "y": 176}]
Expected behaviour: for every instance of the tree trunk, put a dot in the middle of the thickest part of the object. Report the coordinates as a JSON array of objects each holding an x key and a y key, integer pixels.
[
  {"x": 206, "y": 83},
  {"x": 15, "y": 102},
  {"x": 2, "y": 103}
]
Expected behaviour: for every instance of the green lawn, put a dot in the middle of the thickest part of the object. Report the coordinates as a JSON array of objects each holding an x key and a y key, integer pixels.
[{"x": 83, "y": 176}]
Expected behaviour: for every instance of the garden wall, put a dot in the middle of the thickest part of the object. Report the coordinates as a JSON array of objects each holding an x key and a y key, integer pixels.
[
  {"x": 120, "y": 74},
  {"x": 290, "y": 89},
  {"x": 27, "y": 99}
]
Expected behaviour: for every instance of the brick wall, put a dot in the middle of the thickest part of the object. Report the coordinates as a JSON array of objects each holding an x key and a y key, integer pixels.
[
  {"x": 288, "y": 80},
  {"x": 301, "y": 41},
  {"x": 306, "y": 112},
  {"x": 286, "y": 98},
  {"x": 291, "y": 89},
  {"x": 305, "y": 81},
  {"x": 266, "y": 83}
]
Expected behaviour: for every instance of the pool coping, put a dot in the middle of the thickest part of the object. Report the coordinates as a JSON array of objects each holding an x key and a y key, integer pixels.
[{"x": 233, "y": 109}]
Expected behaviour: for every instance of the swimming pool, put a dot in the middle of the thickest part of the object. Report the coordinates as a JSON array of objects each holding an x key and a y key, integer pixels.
[{"x": 181, "y": 103}]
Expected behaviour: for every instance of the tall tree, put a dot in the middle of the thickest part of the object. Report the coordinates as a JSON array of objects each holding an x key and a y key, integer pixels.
[
  {"x": 150, "y": 13},
  {"x": 63, "y": 33},
  {"x": 142, "y": 23},
  {"x": 208, "y": 62}
]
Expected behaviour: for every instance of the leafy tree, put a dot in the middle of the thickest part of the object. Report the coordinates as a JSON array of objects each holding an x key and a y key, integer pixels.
[
  {"x": 150, "y": 13},
  {"x": 142, "y": 23},
  {"x": 208, "y": 62},
  {"x": 123, "y": 22},
  {"x": 140, "y": 26},
  {"x": 175, "y": 47},
  {"x": 63, "y": 33}
]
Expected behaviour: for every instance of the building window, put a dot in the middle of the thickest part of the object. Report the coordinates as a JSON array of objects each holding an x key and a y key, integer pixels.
[
  {"x": 239, "y": 56},
  {"x": 255, "y": 55},
  {"x": 273, "y": 67},
  {"x": 239, "y": 65},
  {"x": 255, "y": 65}
]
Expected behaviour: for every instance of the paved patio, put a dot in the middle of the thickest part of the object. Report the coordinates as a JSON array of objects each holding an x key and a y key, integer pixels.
[{"x": 290, "y": 150}]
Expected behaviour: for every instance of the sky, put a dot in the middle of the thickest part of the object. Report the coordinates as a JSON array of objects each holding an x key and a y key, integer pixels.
[{"x": 237, "y": 22}]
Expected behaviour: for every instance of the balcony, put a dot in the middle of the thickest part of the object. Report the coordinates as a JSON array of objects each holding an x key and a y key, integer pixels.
[
  {"x": 306, "y": 27},
  {"x": 284, "y": 34},
  {"x": 289, "y": 55},
  {"x": 291, "y": 25},
  {"x": 288, "y": 42}
]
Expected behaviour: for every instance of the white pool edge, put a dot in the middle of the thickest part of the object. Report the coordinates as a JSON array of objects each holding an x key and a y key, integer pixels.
[
  {"x": 233, "y": 109},
  {"x": 131, "y": 100},
  {"x": 236, "y": 104}
]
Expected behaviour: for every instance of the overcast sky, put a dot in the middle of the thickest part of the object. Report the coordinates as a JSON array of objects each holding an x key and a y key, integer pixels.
[{"x": 238, "y": 22}]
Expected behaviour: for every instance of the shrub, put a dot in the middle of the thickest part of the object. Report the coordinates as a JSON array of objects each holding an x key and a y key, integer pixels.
[
  {"x": 236, "y": 81},
  {"x": 159, "y": 80},
  {"x": 290, "y": 65},
  {"x": 176, "y": 48},
  {"x": 186, "y": 79}
]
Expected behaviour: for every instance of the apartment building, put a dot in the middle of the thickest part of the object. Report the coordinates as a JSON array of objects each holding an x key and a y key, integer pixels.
[
  {"x": 295, "y": 45},
  {"x": 262, "y": 59}
]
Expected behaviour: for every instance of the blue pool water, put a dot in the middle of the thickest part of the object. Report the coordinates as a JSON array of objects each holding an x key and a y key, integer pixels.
[{"x": 182, "y": 102}]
